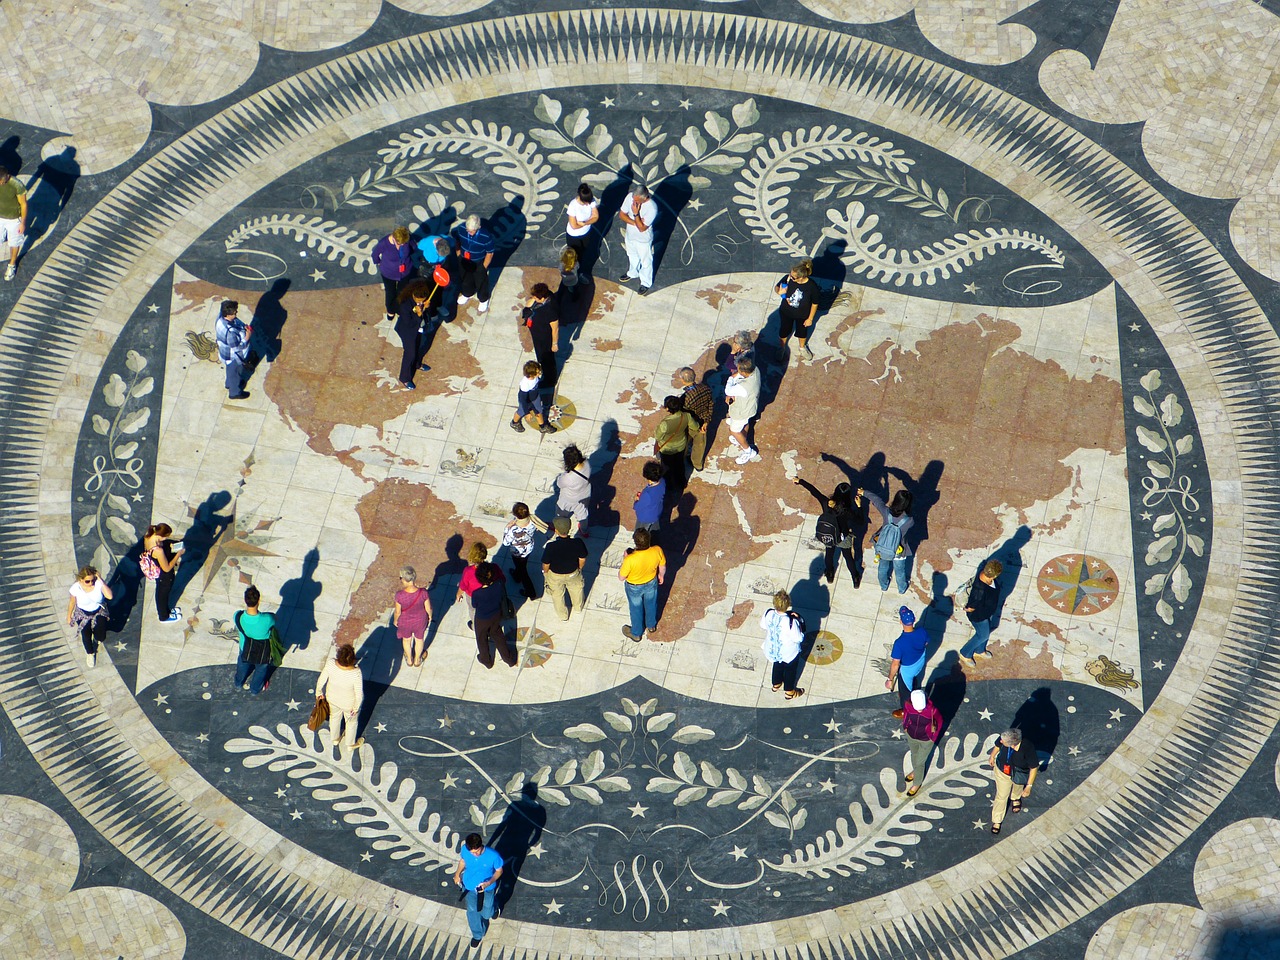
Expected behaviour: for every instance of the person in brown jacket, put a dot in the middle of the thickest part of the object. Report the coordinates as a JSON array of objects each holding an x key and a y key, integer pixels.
[{"x": 700, "y": 403}]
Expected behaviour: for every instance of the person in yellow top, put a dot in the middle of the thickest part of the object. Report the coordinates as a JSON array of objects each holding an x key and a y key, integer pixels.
[{"x": 642, "y": 572}]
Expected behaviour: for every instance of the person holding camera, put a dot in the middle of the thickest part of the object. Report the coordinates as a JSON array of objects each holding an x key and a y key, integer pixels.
[
  {"x": 1016, "y": 764},
  {"x": 478, "y": 870}
]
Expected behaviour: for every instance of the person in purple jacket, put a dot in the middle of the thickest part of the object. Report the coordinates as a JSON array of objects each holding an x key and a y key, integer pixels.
[
  {"x": 922, "y": 722},
  {"x": 393, "y": 257}
]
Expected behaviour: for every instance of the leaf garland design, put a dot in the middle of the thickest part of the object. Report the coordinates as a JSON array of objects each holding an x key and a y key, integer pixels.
[
  {"x": 651, "y": 153},
  {"x": 1166, "y": 488},
  {"x": 350, "y": 248},
  {"x": 526, "y": 174},
  {"x": 375, "y": 798},
  {"x": 887, "y": 185},
  {"x": 110, "y": 521},
  {"x": 883, "y": 823},
  {"x": 386, "y": 179}
]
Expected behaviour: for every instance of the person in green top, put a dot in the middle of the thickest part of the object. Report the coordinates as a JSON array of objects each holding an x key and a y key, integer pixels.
[
  {"x": 255, "y": 644},
  {"x": 13, "y": 218}
]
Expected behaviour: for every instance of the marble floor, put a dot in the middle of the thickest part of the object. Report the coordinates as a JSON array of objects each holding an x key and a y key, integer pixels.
[{"x": 1045, "y": 286}]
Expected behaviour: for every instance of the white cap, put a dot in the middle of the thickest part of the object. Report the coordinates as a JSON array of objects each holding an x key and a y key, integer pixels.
[{"x": 917, "y": 700}]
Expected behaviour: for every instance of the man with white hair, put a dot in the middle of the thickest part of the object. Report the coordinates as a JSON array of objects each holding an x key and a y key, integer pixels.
[
  {"x": 475, "y": 253},
  {"x": 638, "y": 213},
  {"x": 1016, "y": 763}
]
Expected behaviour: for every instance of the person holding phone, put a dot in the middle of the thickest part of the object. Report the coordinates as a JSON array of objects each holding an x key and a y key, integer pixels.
[{"x": 478, "y": 870}]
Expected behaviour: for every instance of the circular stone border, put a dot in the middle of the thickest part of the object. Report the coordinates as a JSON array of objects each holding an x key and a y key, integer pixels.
[{"x": 93, "y": 740}]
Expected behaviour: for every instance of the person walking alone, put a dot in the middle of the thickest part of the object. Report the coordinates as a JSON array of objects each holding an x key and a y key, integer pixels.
[
  {"x": 922, "y": 722},
  {"x": 255, "y": 627},
  {"x": 412, "y": 617},
  {"x": 984, "y": 601},
  {"x": 783, "y": 641},
  {"x": 232, "y": 335},
  {"x": 1016, "y": 764},
  {"x": 87, "y": 612},
  {"x": 906, "y": 659},
  {"x": 342, "y": 684},
  {"x": 479, "y": 868}
]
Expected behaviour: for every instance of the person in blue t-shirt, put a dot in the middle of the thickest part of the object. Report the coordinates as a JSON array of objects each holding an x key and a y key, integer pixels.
[
  {"x": 479, "y": 868},
  {"x": 648, "y": 502},
  {"x": 906, "y": 660}
]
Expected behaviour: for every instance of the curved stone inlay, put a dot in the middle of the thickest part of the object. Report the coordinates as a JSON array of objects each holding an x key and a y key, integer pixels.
[{"x": 95, "y": 744}]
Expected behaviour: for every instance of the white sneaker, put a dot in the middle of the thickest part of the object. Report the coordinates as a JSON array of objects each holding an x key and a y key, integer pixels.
[
  {"x": 462, "y": 299},
  {"x": 484, "y": 307},
  {"x": 90, "y": 660},
  {"x": 747, "y": 456},
  {"x": 10, "y": 272}
]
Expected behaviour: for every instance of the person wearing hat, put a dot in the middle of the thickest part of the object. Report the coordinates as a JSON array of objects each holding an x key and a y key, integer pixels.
[
  {"x": 922, "y": 722},
  {"x": 562, "y": 560},
  {"x": 906, "y": 660}
]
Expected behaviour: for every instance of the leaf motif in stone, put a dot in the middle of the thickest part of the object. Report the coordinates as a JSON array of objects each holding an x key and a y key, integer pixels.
[
  {"x": 1170, "y": 411},
  {"x": 593, "y": 766},
  {"x": 1155, "y": 583},
  {"x": 555, "y": 796},
  {"x": 546, "y": 109},
  {"x": 1160, "y": 550},
  {"x": 86, "y": 524},
  {"x": 736, "y": 779},
  {"x": 612, "y": 784},
  {"x": 618, "y": 157},
  {"x": 568, "y": 770},
  {"x": 724, "y": 797},
  {"x": 101, "y": 425},
  {"x": 1180, "y": 583},
  {"x": 689, "y": 795},
  {"x": 1195, "y": 544},
  {"x": 135, "y": 421},
  {"x": 570, "y": 160},
  {"x": 745, "y": 114},
  {"x": 1151, "y": 440},
  {"x": 721, "y": 164},
  {"x": 716, "y": 125},
  {"x": 599, "y": 140},
  {"x": 1164, "y": 610},
  {"x": 630, "y": 706},
  {"x": 694, "y": 142},
  {"x": 674, "y": 160},
  {"x": 1151, "y": 381},
  {"x": 549, "y": 138},
  {"x": 617, "y": 721},
  {"x": 692, "y": 733},
  {"x": 586, "y": 793},
  {"x": 684, "y": 768},
  {"x": 114, "y": 391},
  {"x": 659, "y": 723},
  {"x": 1164, "y": 522},
  {"x": 778, "y": 819},
  {"x": 752, "y": 802},
  {"x": 135, "y": 361},
  {"x": 578, "y": 122},
  {"x": 122, "y": 531},
  {"x": 1184, "y": 444},
  {"x": 663, "y": 785},
  {"x": 710, "y": 775},
  {"x": 1159, "y": 468},
  {"x": 118, "y": 503},
  {"x": 143, "y": 387},
  {"x": 587, "y": 732}
]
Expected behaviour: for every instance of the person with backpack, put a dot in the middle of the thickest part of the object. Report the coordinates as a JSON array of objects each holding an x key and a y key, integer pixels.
[
  {"x": 922, "y": 722},
  {"x": 892, "y": 551},
  {"x": 159, "y": 564},
  {"x": 842, "y": 518},
  {"x": 783, "y": 639},
  {"x": 255, "y": 629}
]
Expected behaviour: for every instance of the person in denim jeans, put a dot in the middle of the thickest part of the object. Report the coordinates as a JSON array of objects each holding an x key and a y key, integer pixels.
[
  {"x": 478, "y": 870},
  {"x": 984, "y": 601},
  {"x": 642, "y": 572},
  {"x": 254, "y": 627},
  {"x": 897, "y": 513}
]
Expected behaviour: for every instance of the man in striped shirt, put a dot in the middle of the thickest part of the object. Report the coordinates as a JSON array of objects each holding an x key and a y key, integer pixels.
[{"x": 475, "y": 253}]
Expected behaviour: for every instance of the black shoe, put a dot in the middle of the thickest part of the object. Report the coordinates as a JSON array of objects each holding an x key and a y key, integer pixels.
[
  {"x": 831, "y": 578},
  {"x": 644, "y": 290},
  {"x": 546, "y": 428},
  {"x": 469, "y": 625},
  {"x": 626, "y": 278},
  {"x": 857, "y": 579},
  {"x": 517, "y": 426},
  {"x": 242, "y": 395},
  {"x": 474, "y": 943}
]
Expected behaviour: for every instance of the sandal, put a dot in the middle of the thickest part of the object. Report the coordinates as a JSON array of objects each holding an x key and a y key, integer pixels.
[
  {"x": 777, "y": 687},
  {"x": 913, "y": 791},
  {"x": 1016, "y": 806},
  {"x": 792, "y": 694},
  {"x": 910, "y": 777},
  {"x": 995, "y": 828}
]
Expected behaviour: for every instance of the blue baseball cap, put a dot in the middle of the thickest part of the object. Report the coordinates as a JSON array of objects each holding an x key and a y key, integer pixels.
[{"x": 908, "y": 618}]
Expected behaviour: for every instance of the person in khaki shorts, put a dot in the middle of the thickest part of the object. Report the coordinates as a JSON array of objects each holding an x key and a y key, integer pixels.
[{"x": 562, "y": 562}]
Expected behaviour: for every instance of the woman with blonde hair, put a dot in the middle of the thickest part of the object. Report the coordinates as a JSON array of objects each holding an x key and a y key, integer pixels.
[
  {"x": 799, "y": 305},
  {"x": 87, "y": 611},
  {"x": 783, "y": 639},
  {"x": 412, "y": 617},
  {"x": 342, "y": 684},
  {"x": 569, "y": 274},
  {"x": 468, "y": 584},
  {"x": 158, "y": 548},
  {"x": 392, "y": 255}
]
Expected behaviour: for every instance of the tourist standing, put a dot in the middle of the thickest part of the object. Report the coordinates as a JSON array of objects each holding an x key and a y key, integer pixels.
[
  {"x": 922, "y": 722},
  {"x": 413, "y": 309},
  {"x": 1016, "y": 764},
  {"x": 529, "y": 399},
  {"x": 575, "y": 488},
  {"x": 584, "y": 211},
  {"x": 412, "y": 617},
  {"x": 232, "y": 335},
  {"x": 671, "y": 440},
  {"x": 638, "y": 213},
  {"x": 518, "y": 538},
  {"x": 487, "y": 599},
  {"x": 562, "y": 561},
  {"x": 643, "y": 570},
  {"x": 837, "y": 527},
  {"x": 468, "y": 583},
  {"x": 87, "y": 612},
  {"x": 159, "y": 549},
  {"x": 783, "y": 642},
  {"x": 650, "y": 498},
  {"x": 799, "y": 305},
  {"x": 541, "y": 315},
  {"x": 700, "y": 403},
  {"x": 475, "y": 253},
  {"x": 742, "y": 391},
  {"x": 392, "y": 255},
  {"x": 892, "y": 551},
  {"x": 906, "y": 659},
  {"x": 342, "y": 684}
]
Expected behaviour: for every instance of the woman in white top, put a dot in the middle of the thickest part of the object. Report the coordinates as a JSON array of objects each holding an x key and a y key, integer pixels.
[
  {"x": 783, "y": 642},
  {"x": 342, "y": 684},
  {"x": 574, "y": 486},
  {"x": 87, "y": 611},
  {"x": 584, "y": 210}
]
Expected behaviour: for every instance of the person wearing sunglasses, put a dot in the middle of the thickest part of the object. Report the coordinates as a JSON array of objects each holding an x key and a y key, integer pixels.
[{"x": 87, "y": 612}]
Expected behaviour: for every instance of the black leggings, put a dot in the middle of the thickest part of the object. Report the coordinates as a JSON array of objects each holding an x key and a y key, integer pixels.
[
  {"x": 787, "y": 673},
  {"x": 521, "y": 567},
  {"x": 93, "y": 633},
  {"x": 849, "y": 560},
  {"x": 164, "y": 586}
]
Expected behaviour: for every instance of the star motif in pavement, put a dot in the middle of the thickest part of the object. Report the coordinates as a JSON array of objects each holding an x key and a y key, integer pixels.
[
  {"x": 366, "y": 857},
  {"x": 553, "y": 907},
  {"x": 1145, "y": 515},
  {"x": 317, "y": 275},
  {"x": 607, "y": 102},
  {"x": 739, "y": 853},
  {"x": 979, "y": 824},
  {"x": 971, "y": 288},
  {"x": 137, "y": 498},
  {"x": 445, "y": 721},
  {"x": 898, "y": 734},
  {"x": 832, "y": 726},
  {"x": 281, "y": 791},
  {"x": 296, "y": 815},
  {"x": 537, "y": 850},
  {"x": 122, "y": 646},
  {"x": 637, "y": 810},
  {"x": 1157, "y": 665},
  {"x": 293, "y": 704},
  {"x": 686, "y": 104},
  {"x": 1134, "y": 327},
  {"x": 1117, "y": 715},
  {"x": 161, "y": 699},
  {"x": 380, "y": 728},
  {"x": 695, "y": 204},
  {"x": 449, "y": 781},
  {"x": 202, "y": 737},
  {"x": 231, "y": 544},
  {"x": 720, "y": 909},
  {"x": 828, "y": 785},
  {"x": 153, "y": 308},
  {"x": 909, "y": 864},
  {"x": 985, "y": 714},
  {"x": 1073, "y": 751}
]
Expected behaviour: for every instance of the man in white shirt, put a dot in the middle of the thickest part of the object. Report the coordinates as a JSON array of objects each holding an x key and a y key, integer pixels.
[
  {"x": 638, "y": 213},
  {"x": 743, "y": 393}
]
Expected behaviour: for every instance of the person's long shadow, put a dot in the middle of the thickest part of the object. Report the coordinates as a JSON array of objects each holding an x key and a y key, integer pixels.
[
  {"x": 298, "y": 603},
  {"x": 946, "y": 687},
  {"x": 1039, "y": 721},
  {"x": 269, "y": 317},
  {"x": 380, "y": 659},
  {"x": 679, "y": 537},
  {"x": 609, "y": 229},
  {"x": 829, "y": 271},
  {"x": 937, "y": 614},
  {"x": 126, "y": 588},
  {"x": 207, "y": 526},
  {"x": 671, "y": 195},
  {"x": 54, "y": 182},
  {"x": 811, "y": 598},
  {"x": 508, "y": 225},
  {"x": 602, "y": 510},
  {"x": 443, "y": 592},
  {"x": 520, "y": 829}
]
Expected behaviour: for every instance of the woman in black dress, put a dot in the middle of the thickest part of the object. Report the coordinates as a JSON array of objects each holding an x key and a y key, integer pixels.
[
  {"x": 851, "y": 521},
  {"x": 413, "y": 309},
  {"x": 542, "y": 316}
]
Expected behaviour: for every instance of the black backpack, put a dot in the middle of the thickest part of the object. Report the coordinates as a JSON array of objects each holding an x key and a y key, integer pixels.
[{"x": 827, "y": 531}]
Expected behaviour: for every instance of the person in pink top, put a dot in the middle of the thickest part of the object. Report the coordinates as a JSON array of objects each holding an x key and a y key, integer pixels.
[
  {"x": 468, "y": 585},
  {"x": 413, "y": 616},
  {"x": 922, "y": 722}
]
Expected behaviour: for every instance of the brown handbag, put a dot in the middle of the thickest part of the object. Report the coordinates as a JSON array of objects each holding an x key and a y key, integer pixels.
[{"x": 319, "y": 715}]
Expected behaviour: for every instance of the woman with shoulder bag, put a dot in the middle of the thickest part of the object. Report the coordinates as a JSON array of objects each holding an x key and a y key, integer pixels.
[
  {"x": 255, "y": 628},
  {"x": 159, "y": 563},
  {"x": 783, "y": 640},
  {"x": 342, "y": 685}
]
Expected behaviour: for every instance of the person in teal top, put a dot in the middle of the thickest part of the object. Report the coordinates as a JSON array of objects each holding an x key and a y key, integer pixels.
[
  {"x": 479, "y": 868},
  {"x": 254, "y": 662}
]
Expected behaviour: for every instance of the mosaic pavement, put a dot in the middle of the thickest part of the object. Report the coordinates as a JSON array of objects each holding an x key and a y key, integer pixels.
[{"x": 1043, "y": 235}]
